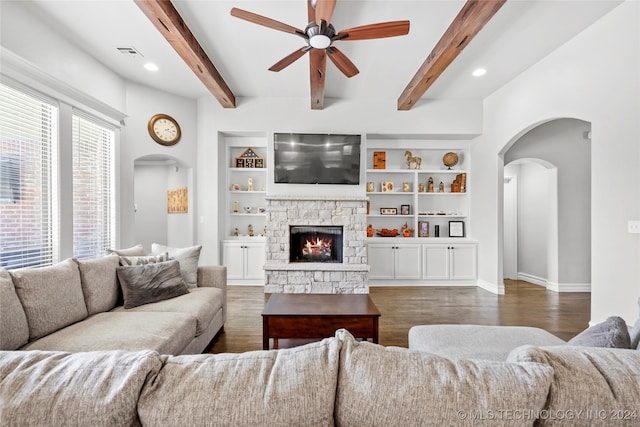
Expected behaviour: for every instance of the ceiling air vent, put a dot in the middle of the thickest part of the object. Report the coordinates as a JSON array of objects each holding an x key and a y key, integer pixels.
[{"x": 129, "y": 51}]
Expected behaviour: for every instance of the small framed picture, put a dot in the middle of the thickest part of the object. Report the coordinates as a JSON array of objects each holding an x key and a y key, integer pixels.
[
  {"x": 236, "y": 187},
  {"x": 456, "y": 228},
  {"x": 405, "y": 209},
  {"x": 388, "y": 211},
  {"x": 423, "y": 228}
]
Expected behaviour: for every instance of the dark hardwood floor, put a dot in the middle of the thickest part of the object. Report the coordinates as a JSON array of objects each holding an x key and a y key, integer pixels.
[{"x": 524, "y": 304}]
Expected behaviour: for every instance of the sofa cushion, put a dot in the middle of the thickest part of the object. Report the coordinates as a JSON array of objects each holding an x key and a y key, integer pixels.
[
  {"x": 203, "y": 303},
  {"x": 601, "y": 386},
  {"x": 82, "y": 389},
  {"x": 612, "y": 333},
  {"x": 143, "y": 284},
  {"x": 14, "y": 330},
  {"x": 51, "y": 296},
  {"x": 387, "y": 386},
  {"x": 289, "y": 387},
  {"x": 100, "y": 283},
  {"x": 137, "y": 250},
  {"x": 166, "y": 333},
  {"x": 477, "y": 341},
  {"x": 188, "y": 258}
]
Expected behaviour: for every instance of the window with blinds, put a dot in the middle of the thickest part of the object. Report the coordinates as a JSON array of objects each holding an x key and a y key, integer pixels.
[
  {"x": 93, "y": 187},
  {"x": 28, "y": 173}
]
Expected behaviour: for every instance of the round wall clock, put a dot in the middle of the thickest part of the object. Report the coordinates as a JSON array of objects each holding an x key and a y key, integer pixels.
[{"x": 164, "y": 129}]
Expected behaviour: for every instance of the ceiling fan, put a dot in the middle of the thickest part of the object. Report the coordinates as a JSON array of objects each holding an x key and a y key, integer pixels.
[{"x": 320, "y": 35}]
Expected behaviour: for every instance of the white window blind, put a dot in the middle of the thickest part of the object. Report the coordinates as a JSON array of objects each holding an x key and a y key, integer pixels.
[
  {"x": 28, "y": 173},
  {"x": 93, "y": 187}
]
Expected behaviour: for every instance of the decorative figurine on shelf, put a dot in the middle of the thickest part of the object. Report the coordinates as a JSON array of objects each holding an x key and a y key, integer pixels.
[
  {"x": 406, "y": 187},
  {"x": 250, "y": 184},
  {"x": 430, "y": 185},
  {"x": 406, "y": 231},
  {"x": 441, "y": 187},
  {"x": 235, "y": 207},
  {"x": 421, "y": 187},
  {"x": 370, "y": 231},
  {"x": 413, "y": 159},
  {"x": 235, "y": 232},
  {"x": 370, "y": 187},
  {"x": 250, "y": 230}
]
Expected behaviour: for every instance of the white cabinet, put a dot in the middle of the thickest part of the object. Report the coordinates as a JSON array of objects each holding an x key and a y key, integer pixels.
[
  {"x": 244, "y": 260},
  {"x": 450, "y": 261},
  {"x": 394, "y": 261}
]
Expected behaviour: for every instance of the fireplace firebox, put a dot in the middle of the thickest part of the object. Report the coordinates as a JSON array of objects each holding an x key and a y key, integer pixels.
[{"x": 315, "y": 243}]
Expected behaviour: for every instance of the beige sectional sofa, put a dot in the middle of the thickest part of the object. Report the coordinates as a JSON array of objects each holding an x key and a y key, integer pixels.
[
  {"x": 338, "y": 381},
  {"x": 76, "y": 306}
]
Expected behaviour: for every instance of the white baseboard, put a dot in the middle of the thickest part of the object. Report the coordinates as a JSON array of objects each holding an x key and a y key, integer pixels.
[
  {"x": 532, "y": 279},
  {"x": 569, "y": 287},
  {"x": 553, "y": 286},
  {"x": 491, "y": 287}
]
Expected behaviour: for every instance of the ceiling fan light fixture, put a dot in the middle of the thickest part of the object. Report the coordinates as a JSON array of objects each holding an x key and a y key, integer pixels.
[{"x": 320, "y": 41}]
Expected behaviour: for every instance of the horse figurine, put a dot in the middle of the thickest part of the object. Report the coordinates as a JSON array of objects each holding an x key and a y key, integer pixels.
[{"x": 411, "y": 159}]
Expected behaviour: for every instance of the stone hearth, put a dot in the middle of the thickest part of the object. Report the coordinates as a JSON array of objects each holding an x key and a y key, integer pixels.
[{"x": 283, "y": 276}]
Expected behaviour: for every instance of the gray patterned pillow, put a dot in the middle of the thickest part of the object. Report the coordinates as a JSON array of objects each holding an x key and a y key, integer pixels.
[
  {"x": 612, "y": 333},
  {"x": 143, "y": 260},
  {"x": 144, "y": 284}
]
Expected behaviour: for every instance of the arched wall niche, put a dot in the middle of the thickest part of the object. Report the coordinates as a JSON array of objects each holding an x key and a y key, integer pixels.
[{"x": 154, "y": 176}]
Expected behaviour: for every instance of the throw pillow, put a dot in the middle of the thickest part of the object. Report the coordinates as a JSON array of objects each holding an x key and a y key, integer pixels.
[
  {"x": 142, "y": 260},
  {"x": 137, "y": 250},
  {"x": 612, "y": 333},
  {"x": 144, "y": 284},
  {"x": 188, "y": 258}
]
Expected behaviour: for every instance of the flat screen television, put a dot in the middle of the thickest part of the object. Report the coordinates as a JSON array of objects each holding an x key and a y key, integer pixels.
[{"x": 303, "y": 158}]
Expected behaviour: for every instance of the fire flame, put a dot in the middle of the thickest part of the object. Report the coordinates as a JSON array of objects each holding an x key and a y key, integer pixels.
[{"x": 317, "y": 247}]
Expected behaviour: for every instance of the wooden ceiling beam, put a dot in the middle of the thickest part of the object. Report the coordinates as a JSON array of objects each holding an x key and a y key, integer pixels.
[
  {"x": 168, "y": 21},
  {"x": 470, "y": 20}
]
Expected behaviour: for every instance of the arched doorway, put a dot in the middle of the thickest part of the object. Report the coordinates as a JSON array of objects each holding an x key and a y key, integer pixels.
[
  {"x": 547, "y": 206},
  {"x": 154, "y": 176}
]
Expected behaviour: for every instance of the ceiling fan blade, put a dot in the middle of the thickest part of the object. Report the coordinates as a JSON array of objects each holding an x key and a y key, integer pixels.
[
  {"x": 324, "y": 10},
  {"x": 264, "y": 21},
  {"x": 311, "y": 12},
  {"x": 318, "y": 66},
  {"x": 374, "y": 31},
  {"x": 341, "y": 61},
  {"x": 288, "y": 60}
]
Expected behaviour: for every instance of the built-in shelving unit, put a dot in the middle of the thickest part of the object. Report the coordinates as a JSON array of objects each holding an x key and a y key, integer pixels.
[
  {"x": 410, "y": 187},
  {"x": 244, "y": 206}
]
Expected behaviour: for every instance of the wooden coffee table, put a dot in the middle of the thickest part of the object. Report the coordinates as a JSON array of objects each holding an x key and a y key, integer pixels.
[{"x": 318, "y": 316}]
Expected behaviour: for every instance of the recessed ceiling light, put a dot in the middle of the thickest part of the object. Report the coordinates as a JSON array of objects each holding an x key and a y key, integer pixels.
[
  {"x": 479, "y": 72},
  {"x": 151, "y": 66}
]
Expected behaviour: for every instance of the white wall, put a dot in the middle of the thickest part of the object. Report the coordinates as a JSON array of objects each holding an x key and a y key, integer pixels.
[
  {"x": 533, "y": 212},
  {"x": 594, "y": 77},
  {"x": 151, "y": 205}
]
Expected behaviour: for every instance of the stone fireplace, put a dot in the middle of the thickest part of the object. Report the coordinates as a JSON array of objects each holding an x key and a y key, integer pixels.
[{"x": 316, "y": 245}]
